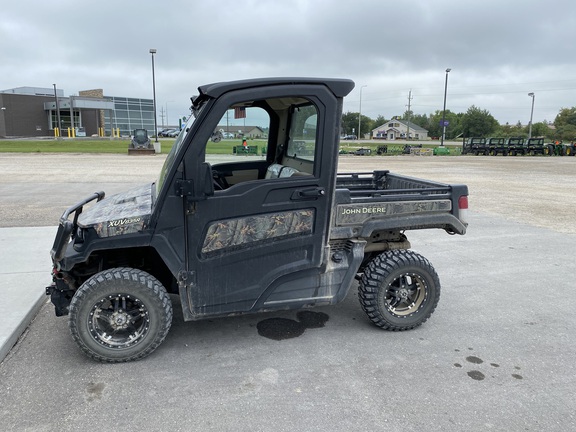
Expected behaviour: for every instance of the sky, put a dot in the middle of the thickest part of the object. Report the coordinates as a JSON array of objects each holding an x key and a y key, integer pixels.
[{"x": 498, "y": 50}]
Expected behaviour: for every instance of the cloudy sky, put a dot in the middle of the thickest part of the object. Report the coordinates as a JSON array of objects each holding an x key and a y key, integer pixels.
[{"x": 498, "y": 50}]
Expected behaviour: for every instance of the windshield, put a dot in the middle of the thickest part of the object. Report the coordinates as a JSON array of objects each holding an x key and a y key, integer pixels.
[
  {"x": 171, "y": 156},
  {"x": 141, "y": 136}
]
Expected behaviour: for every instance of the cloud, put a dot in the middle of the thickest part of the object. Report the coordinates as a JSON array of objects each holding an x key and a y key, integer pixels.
[{"x": 498, "y": 51}]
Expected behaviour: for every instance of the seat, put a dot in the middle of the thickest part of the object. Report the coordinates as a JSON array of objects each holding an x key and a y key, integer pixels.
[{"x": 279, "y": 171}]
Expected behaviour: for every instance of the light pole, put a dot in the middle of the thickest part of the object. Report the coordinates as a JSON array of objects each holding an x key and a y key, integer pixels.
[
  {"x": 152, "y": 52},
  {"x": 360, "y": 111},
  {"x": 444, "y": 110},
  {"x": 57, "y": 110},
  {"x": 531, "y": 113}
]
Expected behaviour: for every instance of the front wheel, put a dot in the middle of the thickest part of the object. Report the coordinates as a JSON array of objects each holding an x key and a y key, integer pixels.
[
  {"x": 399, "y": 290},
  {"x": 119, "y": 315}
]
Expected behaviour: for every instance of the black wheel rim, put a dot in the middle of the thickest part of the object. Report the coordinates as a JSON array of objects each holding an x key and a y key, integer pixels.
[
  {"x": 405, "y": 294},
  {"x": 119, "y": 321}
]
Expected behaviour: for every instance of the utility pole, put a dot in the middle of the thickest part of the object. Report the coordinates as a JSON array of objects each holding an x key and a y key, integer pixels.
[{"x": 408, "y": 123}]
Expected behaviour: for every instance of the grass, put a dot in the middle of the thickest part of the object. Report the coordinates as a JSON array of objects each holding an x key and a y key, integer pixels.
[
  {"x": 120, "y": 146},
  {"x": 65, "y": 146}
]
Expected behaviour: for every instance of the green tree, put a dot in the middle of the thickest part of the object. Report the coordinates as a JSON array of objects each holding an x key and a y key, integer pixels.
[
  {"x": 478, "y": 123},
  {"x": 508, "y": 131},
  {"x": 453, "y": 129},
  {"x": 380, "y": 120},
  {"x": 566, "y": 132},
  {"x": 540, "y": 129},
  {"x": 366, "y": 125},
  {"x": 566, "y": 116},
  {"x": 350, "y": 124},
  {"x": 421, "y": 120}
]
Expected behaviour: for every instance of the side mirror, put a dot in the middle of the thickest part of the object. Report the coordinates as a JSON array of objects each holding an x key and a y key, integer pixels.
[{"x": 216, "y": 137}]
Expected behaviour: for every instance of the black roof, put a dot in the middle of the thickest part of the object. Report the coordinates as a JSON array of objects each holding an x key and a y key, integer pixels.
[{"x": 340, "y": 87}]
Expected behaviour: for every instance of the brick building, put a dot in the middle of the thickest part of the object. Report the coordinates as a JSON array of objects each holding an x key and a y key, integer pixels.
[{"x": 33, "y": 112}]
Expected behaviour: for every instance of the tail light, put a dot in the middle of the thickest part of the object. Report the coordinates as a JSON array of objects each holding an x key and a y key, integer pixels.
[{"x": 463, "y": 209}]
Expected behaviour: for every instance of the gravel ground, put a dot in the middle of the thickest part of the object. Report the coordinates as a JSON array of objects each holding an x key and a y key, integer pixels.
[{"x": 540, "y": 191}]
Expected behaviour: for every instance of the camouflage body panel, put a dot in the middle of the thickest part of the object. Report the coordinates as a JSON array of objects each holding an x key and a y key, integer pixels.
[
  {"x": 124, "y": 213},
  {"x": 232, "y": 234},
  {"x": 357, "y": 214}
]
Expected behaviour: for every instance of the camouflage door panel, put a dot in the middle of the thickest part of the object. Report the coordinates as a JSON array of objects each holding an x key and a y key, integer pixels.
[{"x": 234, "y": 234}]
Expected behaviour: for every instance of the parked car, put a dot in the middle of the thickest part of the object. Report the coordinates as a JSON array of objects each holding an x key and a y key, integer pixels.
[
  {"x": 363, "y": 152},
  {"x": 227, "y": 135},
  {"x": 173, "y": 133},
  {"x": 164, "y": 132},
  {"x": 350, "y": 137}
]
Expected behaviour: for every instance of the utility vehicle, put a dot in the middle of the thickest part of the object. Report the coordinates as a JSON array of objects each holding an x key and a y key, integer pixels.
[{"x": 278, "y": 232}]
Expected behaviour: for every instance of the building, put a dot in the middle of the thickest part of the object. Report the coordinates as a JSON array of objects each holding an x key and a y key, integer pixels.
[
  {"x": 34, "y": 112},
  {"x": 129, "y": 114},
  {"x": 398, "y": 129}
]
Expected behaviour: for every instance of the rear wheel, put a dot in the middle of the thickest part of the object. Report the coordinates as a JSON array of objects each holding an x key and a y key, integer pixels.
[
  {"x": 119, "y": 315},
  {"x": 399, "y": 290}
]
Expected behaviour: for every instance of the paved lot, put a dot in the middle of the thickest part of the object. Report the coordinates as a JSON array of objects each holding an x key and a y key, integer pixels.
[
  {"x": 540, "y": 191},
  {"x": 498, "y": 354}
]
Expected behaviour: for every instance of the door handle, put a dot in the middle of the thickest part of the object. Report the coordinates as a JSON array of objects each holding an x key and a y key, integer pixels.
[{"x": 308, "y": 194}]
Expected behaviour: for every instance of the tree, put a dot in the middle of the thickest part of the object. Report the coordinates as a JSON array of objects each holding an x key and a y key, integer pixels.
[
  {"x": 380, "y": 120},
  {"x": 452, "y": 130},
  {"x": 350, "y": 124},
  {"x": 508, "y": 131},
  {"x": 420, "y": 120},
  {"x": 540, "y": 129},
  {"x": 566, "y": 116},
  {"x": 566, "y": 132},
  {"x": 478, "y": 123}
]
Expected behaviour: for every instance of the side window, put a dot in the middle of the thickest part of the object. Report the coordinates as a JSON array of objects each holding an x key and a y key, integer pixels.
[
  {"x": 245, "y": 129},
  {"x": 302, "y": 139}
]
